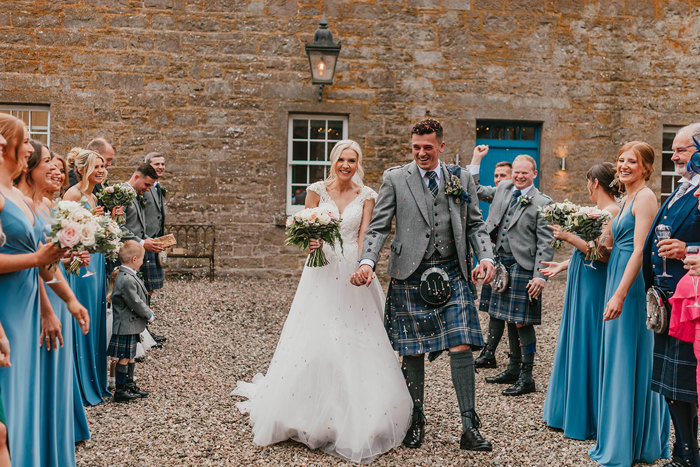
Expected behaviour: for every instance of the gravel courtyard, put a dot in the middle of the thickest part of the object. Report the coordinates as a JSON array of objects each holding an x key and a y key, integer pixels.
[{"x": 225, "y": 331}]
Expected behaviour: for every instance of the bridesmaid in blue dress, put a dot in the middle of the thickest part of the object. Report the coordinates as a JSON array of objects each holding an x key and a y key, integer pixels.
[
  {"x": 20, "y": 295},
  {"x": 90, "y": 350},
  {"x": 633, "y": 421},
  {"x": 38, "y": 182},
  {"x": 571, "y": 403}
]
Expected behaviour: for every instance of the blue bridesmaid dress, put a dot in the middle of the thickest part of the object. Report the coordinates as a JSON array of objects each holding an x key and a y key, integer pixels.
[
  {"x": 633, "y": 421},
  {"x": 571, "y": 403},
  {"x": 91, "y": 349},
  {"x": 20, "y": 316}
]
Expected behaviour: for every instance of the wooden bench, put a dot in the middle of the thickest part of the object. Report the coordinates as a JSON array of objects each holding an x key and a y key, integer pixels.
[{"x": 193, "y": 241}]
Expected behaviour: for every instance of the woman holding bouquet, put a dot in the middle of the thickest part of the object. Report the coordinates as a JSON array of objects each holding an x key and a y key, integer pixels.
[
  {"x": 20, "y": 299},
  {"x": 572, "y": 395},
  {"x": 633, "y": 421},
  {"x": 90, "y": 350},
  {"x": 334, "y": 382},
  {"x": 57, "y": 416}
]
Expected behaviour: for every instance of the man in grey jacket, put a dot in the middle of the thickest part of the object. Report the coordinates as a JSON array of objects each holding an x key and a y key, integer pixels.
[
  {"x": 521, "y": 241},
  {"x": 437, "y": 219}
]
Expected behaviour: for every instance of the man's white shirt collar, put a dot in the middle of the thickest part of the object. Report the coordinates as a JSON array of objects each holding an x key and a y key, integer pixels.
[
  {"x": 694, "y": 181},
  {"x": 127, "y": 267},
  {"x": 437, "y": 171},
  {"x": 524, "y": 191}
]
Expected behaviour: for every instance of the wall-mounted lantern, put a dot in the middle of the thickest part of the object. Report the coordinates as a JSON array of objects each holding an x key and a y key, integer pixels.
[
  {"x": 323, "y": 55},
  {"x": 561, "y": 152}
]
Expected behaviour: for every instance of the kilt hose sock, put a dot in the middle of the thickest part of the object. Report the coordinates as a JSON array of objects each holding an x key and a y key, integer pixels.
[
  {"x": 685, "y": 423},
  {"x": 122, "y": 373},
  {"x": 514, "y": 344},
  {"x": 413, "y": 368},
  {"x": 496, "y": 327},
  {"x": 462, "y": 369}
]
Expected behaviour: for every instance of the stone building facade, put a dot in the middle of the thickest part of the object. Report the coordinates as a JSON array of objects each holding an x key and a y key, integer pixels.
[{"x": 215, "y": 84}]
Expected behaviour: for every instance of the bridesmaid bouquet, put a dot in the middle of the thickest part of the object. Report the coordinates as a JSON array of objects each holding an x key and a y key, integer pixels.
[
  {"x": 558, "y": 214},
  {"x": 121, "y": 194},
  {"x": 314, "y": 223},
  {"x": 587, "y": 223}
]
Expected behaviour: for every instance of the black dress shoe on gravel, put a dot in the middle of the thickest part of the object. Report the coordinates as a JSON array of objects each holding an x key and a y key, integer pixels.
[
  {"x": 487, "y": 359},
  {"x": 505, "y": 377},
  {"x": 521, "y": 387},
  {"x": 123, "y": 395},
  {"x": 414, "y": 435},
  {"x": 132, "y": 388},
  {"x": 157, "y": 345},
  {"x": 158, "y": 338},
  {"x": 473, "y": 441}
]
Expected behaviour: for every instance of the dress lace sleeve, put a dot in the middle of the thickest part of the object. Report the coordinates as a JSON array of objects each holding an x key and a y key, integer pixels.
[
  {"x": 317, "y": 187},
  {"x": 367, "y": 193}
]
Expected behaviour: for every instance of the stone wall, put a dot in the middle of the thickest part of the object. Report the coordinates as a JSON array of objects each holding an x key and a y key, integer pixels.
[{"x": 211, "y": 83}]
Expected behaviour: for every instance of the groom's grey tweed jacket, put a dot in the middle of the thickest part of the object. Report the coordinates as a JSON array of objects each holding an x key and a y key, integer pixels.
[{"x": 402, "y": 196}]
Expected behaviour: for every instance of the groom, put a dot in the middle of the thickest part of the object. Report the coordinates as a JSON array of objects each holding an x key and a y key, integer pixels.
[{"x": 434, "y": 227}]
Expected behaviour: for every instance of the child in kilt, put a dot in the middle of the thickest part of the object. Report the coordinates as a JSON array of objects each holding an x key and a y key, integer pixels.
[{"x": 131, "y": 314}]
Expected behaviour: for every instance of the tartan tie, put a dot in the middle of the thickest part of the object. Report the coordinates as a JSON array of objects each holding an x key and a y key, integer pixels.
[
  {"x": 514, "y": 198},
  {"x": 683, "y": 189},
  {"x": 432, "y": 183}
]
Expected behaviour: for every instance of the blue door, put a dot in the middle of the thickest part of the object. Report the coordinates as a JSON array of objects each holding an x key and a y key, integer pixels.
[{"x": 506, "y": 140}]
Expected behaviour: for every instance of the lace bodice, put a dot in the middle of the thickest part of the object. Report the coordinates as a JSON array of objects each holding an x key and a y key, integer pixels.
[{"x": 351, "y": 218}]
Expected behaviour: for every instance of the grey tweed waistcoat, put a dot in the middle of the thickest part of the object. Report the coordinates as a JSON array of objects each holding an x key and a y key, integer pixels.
[{"x": 441, "y": 237}]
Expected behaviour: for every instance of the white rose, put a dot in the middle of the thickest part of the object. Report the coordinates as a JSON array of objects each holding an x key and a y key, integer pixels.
[
  {"x": 87, "y": 234},
  {"x": 290, "y": 221},
  {"x": 109, "y": 189},
  {"x": 324, "y": 218}
]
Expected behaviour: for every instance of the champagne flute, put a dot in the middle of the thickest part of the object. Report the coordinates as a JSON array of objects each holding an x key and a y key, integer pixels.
[
  {"x": 663, "y": 232},
  {"x": 88, "y": 272},
  {"x": 694, "y": 250}
]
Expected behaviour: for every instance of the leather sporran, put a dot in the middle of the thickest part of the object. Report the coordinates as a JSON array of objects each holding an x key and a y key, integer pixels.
[
  {"x": 501, "y": 278},
  {"x": 435, "y": 288},
  {"x": 658, "y": 310}
]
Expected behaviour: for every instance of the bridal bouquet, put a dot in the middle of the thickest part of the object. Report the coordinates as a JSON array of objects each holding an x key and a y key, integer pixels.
[
  {"x": 587, "y": 223},
  {"x": 113, "y": 196},
  {"x": 75, "y": 228},
  {"x": 558, "y": 214},
  {"x": 314, "y": 223}
]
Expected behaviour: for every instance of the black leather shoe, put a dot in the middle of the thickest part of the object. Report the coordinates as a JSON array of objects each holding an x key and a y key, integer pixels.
[
  {"x": 158, "y": 338},
  {"x": 139, "y": 359},
  {"x": 473, "y": 441},
  {"x": 487, "y": 359},
  {"x": 133, "y": 389},
  {"x": 123, "y": 395},
  {"x": 414, "y": 435},
  {"x": 505, "y": 377},
  {"x": 157, "y": 345},
  {"x": 520, "y": 387}
]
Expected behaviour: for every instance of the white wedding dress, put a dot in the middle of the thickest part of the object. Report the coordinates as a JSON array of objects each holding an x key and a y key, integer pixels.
[{"x": 334, "y": 382}]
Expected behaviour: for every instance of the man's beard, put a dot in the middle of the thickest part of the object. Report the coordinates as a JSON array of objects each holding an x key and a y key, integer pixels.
[{"x": 681, "y": 170}]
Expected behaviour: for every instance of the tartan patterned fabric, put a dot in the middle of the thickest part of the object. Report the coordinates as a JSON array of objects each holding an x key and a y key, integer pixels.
[
  {"x": 123, "y": 346},
  {"x": 414, "y": 328},
  {"x": 152, "y": 272},
  {"x": 514, "y": 305},
  {"x": 673, "y": 374}
]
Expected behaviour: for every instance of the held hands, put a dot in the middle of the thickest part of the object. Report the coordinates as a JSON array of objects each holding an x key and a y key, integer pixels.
[
  {"x": 50, "y": 332},
  {"x": 535, "y": 287},
  {"x": 672, "y": 249},
  {"x": 553, "y": 268},
  {"x": 484, "y": 270},
  {"x": 152, "y": 245},
  {"x": 80, "y": 314},
  {"x": 363, "y": 276},
  {"x": 613, "y": 309}
]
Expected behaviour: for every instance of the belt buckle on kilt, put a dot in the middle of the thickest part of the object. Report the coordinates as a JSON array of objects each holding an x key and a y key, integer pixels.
[
  {"x": 435, "y": 288},
  {"x": 501, "y": 278}
]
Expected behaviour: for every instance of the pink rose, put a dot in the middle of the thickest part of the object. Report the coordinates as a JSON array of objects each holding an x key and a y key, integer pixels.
[{"x": 69, "y": 235}]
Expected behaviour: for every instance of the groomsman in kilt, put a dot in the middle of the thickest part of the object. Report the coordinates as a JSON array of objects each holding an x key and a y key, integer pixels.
[
  {"x": 521, "y": 241},
  {"x": 430, "y": 307},
  {"x": 154, "y": 215},
  {"x": 673, "y": 373},
  {"x": 135, "y": 227}
]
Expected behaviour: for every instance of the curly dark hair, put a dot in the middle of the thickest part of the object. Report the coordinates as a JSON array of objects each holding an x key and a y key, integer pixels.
[{"x": 426, "y": 127}]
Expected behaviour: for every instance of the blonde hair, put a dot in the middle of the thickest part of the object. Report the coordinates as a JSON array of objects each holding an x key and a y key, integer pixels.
[
  {"x": 12, "y": 129},
  {"x": 83, "y": 160},
  {"x": 527, "y": 158},
  {"x": 339, "y": 147},
  {"x": 129, "y": 249},
  {"x": 64, "y": 163}
]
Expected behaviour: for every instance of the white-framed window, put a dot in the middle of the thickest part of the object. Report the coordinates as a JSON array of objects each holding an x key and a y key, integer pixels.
[
  {"x": 36, "y": 117},
  {"x": 310, "y": 141},
  {"x": 669, "y": 177}
]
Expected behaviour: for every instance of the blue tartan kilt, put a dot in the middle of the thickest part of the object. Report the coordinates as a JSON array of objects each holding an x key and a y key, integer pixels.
[
  {"x": 123, "y": 346},
  {"x": 673, "y": 372},
  {"x": 514, "y": 305},
  {"x": 152, "y": 272},
  {"x": 414, "y": 328}
]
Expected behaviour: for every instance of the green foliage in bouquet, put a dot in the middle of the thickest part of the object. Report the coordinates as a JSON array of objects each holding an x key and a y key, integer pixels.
[
  {"x": 315, "y": 223},
  {"x": 558, "y": 214},
  {"x": 121, "y": 194},
  {"x": 587, "y": 223}
]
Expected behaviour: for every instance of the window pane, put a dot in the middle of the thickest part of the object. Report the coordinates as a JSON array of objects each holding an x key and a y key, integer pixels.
[
  {"x": 299, "y": 174},
  {"x": 317, "y": 151},
  {"x": 299, "y": 150},
  {"x": 329, "y": 149},
  {"x": 667, "y": 144},
  {"x": 298, "y": 195},
  {"x": 335, "y": 129},
  {"x": 318, "y": 129},
  {"x": 498, "y": 133},
  {"x": 482, "y": 132},
  {"x": 22, "y": 115},
  {"x": 666, "y": 163},
  {"x": 41, "y": 137},
  {"x": 299, "y": 129},
  {"x": 666, "y": 184},
  {"x": 316, "y": 173},
  {"x": 40, "y": 119},
  {"x": 512, "y": 132},
  {"x": 528, "y": 133}
]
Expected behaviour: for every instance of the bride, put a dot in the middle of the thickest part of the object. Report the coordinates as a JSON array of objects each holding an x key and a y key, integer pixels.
[{"x": 334, "y": 382}]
